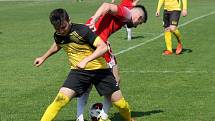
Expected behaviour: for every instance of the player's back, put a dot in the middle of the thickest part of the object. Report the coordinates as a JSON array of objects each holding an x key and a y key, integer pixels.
[
  {"x": 108, "y": 23},
  {"x": 127, "y": 3}
]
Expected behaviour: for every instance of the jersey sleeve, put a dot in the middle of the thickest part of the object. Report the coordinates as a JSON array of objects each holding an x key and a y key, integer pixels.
[
  {"x": 90, "y": 36},
  {"x": 184, "y": 2}
]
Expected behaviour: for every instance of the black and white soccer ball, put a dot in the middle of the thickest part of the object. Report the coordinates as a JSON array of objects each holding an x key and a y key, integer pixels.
[{"x": 95, "y": 111}]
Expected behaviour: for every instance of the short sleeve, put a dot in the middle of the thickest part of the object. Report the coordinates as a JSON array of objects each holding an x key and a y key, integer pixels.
[{"x": 90, "y": 36}]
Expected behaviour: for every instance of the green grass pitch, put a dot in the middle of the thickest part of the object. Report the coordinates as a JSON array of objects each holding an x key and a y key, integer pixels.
[{"x": 158, "y": 88}]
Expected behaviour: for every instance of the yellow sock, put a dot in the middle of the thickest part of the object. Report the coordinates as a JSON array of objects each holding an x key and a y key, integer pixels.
[
  {"x": 168, "y": 40},
  {"x": 60, "y": 101},
  {"x": 177, "y": 35},
  {"x": 124, "y": 109}
]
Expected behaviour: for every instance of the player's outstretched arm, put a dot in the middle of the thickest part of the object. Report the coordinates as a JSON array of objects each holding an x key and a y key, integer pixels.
[
  {"x": 105, "y": 8},
  {"x": 101, "y": 49},
  {"x": 102, "y": 10},
  {"x": 53, "y": 49},
  {"x": 135, "y": 2}
]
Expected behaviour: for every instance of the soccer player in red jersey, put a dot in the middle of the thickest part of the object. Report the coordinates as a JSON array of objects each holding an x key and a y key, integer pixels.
[
  {"x": 129, "y": 3},
  {"x": 108, "y": 19}
]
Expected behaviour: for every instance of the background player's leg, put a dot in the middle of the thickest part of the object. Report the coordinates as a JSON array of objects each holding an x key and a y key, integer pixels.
[
  {"x": 177, "y": 34},
  {"x": 168, "y": 41},
  {"x": 129, "y": 33},
  {"x": 106, "y": 107}
]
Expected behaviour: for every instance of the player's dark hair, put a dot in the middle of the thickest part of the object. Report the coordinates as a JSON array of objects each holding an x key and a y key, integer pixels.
[
  {"x": 144, "y": 11},
  {"x": 58, "y": 16}
]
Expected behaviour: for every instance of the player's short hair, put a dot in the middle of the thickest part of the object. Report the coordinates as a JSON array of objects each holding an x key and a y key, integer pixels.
[
  {"x": 144, "y": 12},
  {"x": 58, "y": 16}
]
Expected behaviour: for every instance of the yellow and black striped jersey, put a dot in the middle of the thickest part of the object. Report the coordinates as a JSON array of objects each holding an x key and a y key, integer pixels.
[
  {"x": 171, "y": 5},
  {"x": 80, "y": 43}
]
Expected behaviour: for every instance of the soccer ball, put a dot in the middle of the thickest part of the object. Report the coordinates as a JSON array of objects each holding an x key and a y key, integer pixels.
[{"x": 95, "y": 111}]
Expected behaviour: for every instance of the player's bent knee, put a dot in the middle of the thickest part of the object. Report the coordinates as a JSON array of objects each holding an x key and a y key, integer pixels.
[
  {"x": 117, "y": 95},
  {"x": 67, "y": 92},
  {"x": 61, "y": 99},
  {"x": 172, "y": 28},
  {"x": 167, "y": 29}
]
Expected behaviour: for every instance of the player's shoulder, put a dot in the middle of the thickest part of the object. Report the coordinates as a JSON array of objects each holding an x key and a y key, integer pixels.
[
  {"x": 121, "y": 9},
  {"x": 80, "y": 27}
]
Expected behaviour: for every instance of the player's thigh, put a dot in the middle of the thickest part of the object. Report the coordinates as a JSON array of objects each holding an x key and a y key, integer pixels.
[
  {"x": 105, "y": 82},
  {"x": 116, "y": 74},
  {"x": 166, "y": 19},
  {"x": 174, "y": 18},
  {"x": 68, "y": 92},
  {"x": 172, "y": 28},
  {"x": 78, "y": 81}
]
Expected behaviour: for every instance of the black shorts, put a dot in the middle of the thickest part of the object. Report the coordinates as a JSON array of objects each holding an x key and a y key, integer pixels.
[
  {"x": 171, "y": 18},
  {"x": 102, "y": 79}
]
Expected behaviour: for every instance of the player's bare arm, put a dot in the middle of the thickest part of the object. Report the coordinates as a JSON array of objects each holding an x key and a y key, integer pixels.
[
  {"x": 53, "y": 49},
  {"x": 160, "y": 3},
  {"x": 102, "y": 10},
  {"x": 184, "y": 9},
  {"x": 135, "y": 2},
  {"x": 101, "y": 48}
]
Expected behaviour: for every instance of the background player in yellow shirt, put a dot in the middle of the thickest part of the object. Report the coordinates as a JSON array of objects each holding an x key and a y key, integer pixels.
[{"x": 171, "y": 15}]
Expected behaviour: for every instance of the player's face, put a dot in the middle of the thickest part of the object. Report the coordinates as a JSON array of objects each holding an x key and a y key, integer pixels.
[
  {"x": 63, "y": 29},
  {"x": 137, "y": 17},
  {"x": 138, "y": 20}
]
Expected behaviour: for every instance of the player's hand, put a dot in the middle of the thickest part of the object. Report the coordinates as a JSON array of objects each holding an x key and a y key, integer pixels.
[
  {"x": 38, "y": 61},
  {"x": 157, "y": 14},
  {"x": 92, "y": 23},
  {"x": 82, "y": 64},
  {"x": 184, "y": 12},
  {"x": 135, "y": 2}
]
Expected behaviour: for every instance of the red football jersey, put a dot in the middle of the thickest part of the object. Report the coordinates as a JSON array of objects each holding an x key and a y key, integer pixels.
[{"x": 127, "y": 3}]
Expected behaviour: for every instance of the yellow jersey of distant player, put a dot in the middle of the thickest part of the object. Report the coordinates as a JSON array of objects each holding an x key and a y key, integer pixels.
[{"x": 171, "y": 5}]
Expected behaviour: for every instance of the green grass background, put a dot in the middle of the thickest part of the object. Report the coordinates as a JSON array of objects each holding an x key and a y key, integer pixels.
[{"x": 158, "y": 88}]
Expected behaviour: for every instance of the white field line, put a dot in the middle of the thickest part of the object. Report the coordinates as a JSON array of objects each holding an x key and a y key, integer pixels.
[
  {"x": 150, "y": 40},
  {"x": 166, "y": 71}
]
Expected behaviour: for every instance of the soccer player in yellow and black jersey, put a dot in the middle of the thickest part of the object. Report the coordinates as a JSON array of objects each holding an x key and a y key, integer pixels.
[
  {"x": 171, "y": 15},
  {"x": 84, "y": 49}
]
